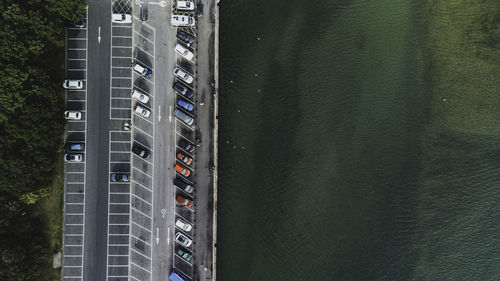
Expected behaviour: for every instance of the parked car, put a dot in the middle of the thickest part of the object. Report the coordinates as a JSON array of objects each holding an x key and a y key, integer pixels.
[
  {"x": 184, "y": 52},
  {"x": 121, "y": 18},
  {"x": 140, "y": 96},
  {"x": 73, "y": 157},
  {"x": 120, "y": 177},
  {"x": 184, "y": 76},
  {"x": 175, "y": 275},
  {"x": 182, "y": 170},
  {"x": 185, "y": 255},
  {"x": 73, "y": 146},
  {"x": 73, "y": 84},
  {"x": 141, "y": 151},
  {"x": 184, "y": 159},
  {"x": 72, "y": 115},
  {"x": 78, "y": 24},
  {"x": 184, "y": 225},
  {"x": 183, "y": 185},
  {"x": 185, "y": 5},
  {"x": 142, "y": 70},
  {"x": 186, "y": 105},
  {"x": 185, "y": 37},
  {"x": 142, "y": 111},
  {"x": 187, "y": 146},
  {"x": 183, "y": 90},
  {"x": 183, "y": 239},
  {"x": 181, "y": 20},
  {"x": 183, "y": 117}
]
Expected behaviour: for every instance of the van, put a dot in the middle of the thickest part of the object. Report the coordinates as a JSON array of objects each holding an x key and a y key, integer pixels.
[
  {"x": 181, "y": 20},
  {"x": 175, "y": 275},
  {"x": 184, "y": 117}
]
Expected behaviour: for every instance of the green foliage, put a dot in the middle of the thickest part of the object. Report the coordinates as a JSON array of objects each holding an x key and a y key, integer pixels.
[{"x": 31, "y": 124}]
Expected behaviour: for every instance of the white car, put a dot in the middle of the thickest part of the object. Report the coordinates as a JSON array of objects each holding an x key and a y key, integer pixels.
[
  {"x": 180, "y": 20},
  {"x": 72, "y": 157},
  {"x": 183, "y": 239},
  {"x": 183, "y": 75},
  {"x": 184, "y": 52},
  {"x": 121, "y": 18},
  {"x": 142, "y": 70},
  {"x": 183, "y": 225},
  {"x": 73, "y": 84},
  {"x": 185, "y": 5},
  {"x": 72, "y": 115},
  {"x": 140, "y": 96},
  {"x": 142, "y": 111}
]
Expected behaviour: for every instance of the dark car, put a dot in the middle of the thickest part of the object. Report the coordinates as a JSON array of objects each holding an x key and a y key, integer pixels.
[
  {"x": 185, "y": 37},
  {"x": 70, "y": 147},
  {"x": 183, "y": 90},
  {"x": 184, "y": 254},
  {"x": 120, "y": 177},
  {"x": 183, "y": 185},
  {"x": 187, "y": 146},
  {"x": 141, "y": 151},
  {"x": 79, "y": 24}
]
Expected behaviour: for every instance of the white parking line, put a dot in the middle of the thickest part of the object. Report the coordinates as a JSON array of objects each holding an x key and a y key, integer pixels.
[
  {"x": 119, "y": 161},
  {"x": 77, "y": 49},
  {"x": 140, "y": 267},
  {"x": 145, "y": 242},
  {"x": 120, "y": 214},
  {"x": 76, "y": 38},
  {"x": 121, "y": 141},
  {"x": 122, "y": 67},
  {"x": 143, "y": 186},
  {"x": 144, "y": 132},
  {"x": 137, "y": 46},
  {"x": 140, "y": 254},
  {"x": 142, "y": 159},
  {"x": 131, "y": 276},
  {"x": 143, "y": 37},
  {"x": 184, "y": 273},
  {"x": 120, "y": 57},
  {"x": 141, "y": 200},
  {"x": 69, "y": 203},
  {"x": 122, "y": 47},
  {"x": 128, "y": 88},
  {"x": 183, "y": 260},
  {"x": 73, "y": 235},
  {"x": 133, "y": 222},
  {"x": 121, "y": 36},
  {"x": 134, "y": 209},
  {"x": 151, "y": 149},
  {"x": 140, "y": 116},
  {"x": 177, "y": 214},
  {"x": 142, "y": 173},
  {"x": 121, "y": 98},
  {"x": 75, "y": 182}
]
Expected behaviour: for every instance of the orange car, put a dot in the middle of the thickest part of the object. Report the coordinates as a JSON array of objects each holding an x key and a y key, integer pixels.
[
  {"x": 181, "y": 170},
  {"x": 184, "y": 201},
  {"x": 185, "y": 159}
]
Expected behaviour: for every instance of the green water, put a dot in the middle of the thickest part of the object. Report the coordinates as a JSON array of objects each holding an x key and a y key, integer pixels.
[{"x": 329, "y": 165}]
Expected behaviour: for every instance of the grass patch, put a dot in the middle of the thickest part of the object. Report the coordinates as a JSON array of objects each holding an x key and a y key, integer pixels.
[{"x": 50, "y": 211}]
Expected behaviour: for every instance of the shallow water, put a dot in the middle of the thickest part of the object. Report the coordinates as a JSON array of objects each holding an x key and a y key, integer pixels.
[{"x": 321, "y": 169}]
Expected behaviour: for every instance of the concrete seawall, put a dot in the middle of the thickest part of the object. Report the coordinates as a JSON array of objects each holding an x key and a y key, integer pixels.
[{"x": 216, "y": 137}]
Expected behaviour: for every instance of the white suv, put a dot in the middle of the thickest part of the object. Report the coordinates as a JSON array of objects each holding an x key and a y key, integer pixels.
[
  {"x": 183, "y": 225},
  {"x": 185, "y": 5},
  {"x": 184, "y": 76},
  {"x": 180, "y": 20},
  {"x": 138, "y": 95},
  {"x": 184, "y": 52},
  {"x": 183, "y": 239}
]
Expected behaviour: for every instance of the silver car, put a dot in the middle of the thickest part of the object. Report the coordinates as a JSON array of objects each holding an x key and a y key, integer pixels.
[
  {"x": 184, "y": 76},
  {"x": 183, "y": 239}
]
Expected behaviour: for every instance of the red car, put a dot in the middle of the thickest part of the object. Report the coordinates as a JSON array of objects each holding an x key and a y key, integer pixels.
[
  {"x": 181, "y": 170},
  {"x": 184, "y": 201},
  {"x": 185, "y": 159}
]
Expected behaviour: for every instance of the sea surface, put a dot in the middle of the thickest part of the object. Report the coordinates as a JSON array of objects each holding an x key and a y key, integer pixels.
[{"x": 324, "y": 170}]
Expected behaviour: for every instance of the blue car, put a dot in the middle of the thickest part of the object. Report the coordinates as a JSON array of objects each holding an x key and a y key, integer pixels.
[
  {"x": 186, "y": 105},
  {"x": 71, "y": 147},
  {"x": 183, "y": 90}
]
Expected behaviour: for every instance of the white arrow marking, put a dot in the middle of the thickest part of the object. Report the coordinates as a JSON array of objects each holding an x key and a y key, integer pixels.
[
  {"x": 157, "y": 237},
  {"x": 99, "y": 36},
  {"x": 159, "y": 113},
  {"x": 161, "y": 3},
  {"x": 170, "y": 114},
  {"x": 168, "y": 236},
  {"x": 163, "y": 212}
]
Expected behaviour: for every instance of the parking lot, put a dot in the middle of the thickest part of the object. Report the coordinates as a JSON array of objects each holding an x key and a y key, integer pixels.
[{"x": 74, "y": 201}]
